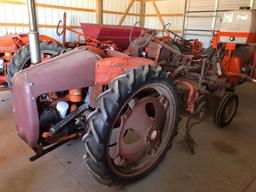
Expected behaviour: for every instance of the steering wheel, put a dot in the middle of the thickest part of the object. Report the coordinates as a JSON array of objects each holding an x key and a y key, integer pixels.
[
  {"x": 131, "y": 32},
  {"x": 144, "y": 35},
  {"x": 59, "y": 32},
  {"x": 166, "y": 29}
]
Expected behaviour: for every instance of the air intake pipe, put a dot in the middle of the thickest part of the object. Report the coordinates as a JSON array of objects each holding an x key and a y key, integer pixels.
[{"x": 33, "y": 34}]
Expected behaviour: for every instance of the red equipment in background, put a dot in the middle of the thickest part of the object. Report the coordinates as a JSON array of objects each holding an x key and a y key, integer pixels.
[
  {"x": 10, "y": 44},
  {"x": 98, "y": 35},
  {"x": 237, "y": 57},
  {"x": 118, "y": 34}
]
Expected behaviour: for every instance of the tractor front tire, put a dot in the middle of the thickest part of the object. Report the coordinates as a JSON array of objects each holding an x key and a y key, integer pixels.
[
  {"x": 21, "y": 59},
  {"x": 142, "y": 105},
  {"x": 226, "y": 110}
]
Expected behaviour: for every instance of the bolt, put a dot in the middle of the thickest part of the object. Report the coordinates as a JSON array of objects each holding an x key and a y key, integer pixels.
[
  {"x": 119, "y": 160},
  {"x": 152, "y": 152},
  {"x": 132, "y": 103},
  {"x": 85, "y": 156},
  {"x": 153, "y": 135},
  {"x": 164, "y": 101}
]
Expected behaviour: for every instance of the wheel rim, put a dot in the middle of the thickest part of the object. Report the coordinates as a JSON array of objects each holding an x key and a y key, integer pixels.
[{"x": 141, "y": 130}]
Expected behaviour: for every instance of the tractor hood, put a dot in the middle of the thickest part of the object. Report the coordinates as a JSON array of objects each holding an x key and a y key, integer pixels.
[
  {"x": 8, "y": 44},
  {"x": 75, "y": 69}
]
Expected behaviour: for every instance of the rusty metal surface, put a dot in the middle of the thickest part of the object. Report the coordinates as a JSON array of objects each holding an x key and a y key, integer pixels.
[
  {"x": 141, "y": 130},
  {"x": 114, "y": 53},
  {"x": 74, "y": 69},
  {"x": 118, "y": 34},
  {"x": 139, "y": 122},
  {"x": 118, "y": 66}
]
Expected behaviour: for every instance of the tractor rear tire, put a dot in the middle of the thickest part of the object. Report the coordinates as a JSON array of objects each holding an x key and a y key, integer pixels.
[
  {"x": 21, "y": 59},
  {"x": 124, "y": 92}
]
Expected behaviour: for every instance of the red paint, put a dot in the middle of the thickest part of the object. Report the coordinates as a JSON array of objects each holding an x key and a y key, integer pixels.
[
  {"x": 118, "y": 34},
  {"x": 9, "y": 44}
]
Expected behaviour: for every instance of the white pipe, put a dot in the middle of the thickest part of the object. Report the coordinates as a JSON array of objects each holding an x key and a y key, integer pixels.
[{"x": 33, "y": 34}]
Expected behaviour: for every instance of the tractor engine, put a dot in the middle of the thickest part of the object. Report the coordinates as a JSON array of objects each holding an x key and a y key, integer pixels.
[{"x": 54, "y": 107}]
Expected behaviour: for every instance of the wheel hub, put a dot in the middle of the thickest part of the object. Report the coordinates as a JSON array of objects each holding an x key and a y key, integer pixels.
[{"x": 140, "y": 129}]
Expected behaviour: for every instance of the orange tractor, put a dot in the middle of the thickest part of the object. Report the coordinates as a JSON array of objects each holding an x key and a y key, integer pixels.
[
  {"x": 15, "y": 56},
  {"x": 127, "y": 104}
]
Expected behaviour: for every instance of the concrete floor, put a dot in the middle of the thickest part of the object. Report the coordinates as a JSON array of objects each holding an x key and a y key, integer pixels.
[{"x": 224, "y": 160}]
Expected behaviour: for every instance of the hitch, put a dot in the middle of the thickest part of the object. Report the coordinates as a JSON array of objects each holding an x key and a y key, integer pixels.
[{"x": 40, "y": 151}]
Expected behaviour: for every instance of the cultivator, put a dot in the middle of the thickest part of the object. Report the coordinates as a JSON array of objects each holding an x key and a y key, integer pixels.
[{"x": 126, "y": 104}]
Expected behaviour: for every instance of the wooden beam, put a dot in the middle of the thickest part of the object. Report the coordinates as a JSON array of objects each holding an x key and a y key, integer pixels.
[
  {"x": 126, "y": 12},
  {"x": 47, "y": 6},
  {"x": 99, "y": 8},
  {"x": 187, "y": 2},
  {"x": 158, "y": 13},
  {"x": 165, "y": 15},
  {"x": 120, "y": 13},
  {"x": 151, "y": 0},
  {"x": 142, "y": 12},
  {"x": 40, "y": 25},
  {"x": 90, "y": 10}
]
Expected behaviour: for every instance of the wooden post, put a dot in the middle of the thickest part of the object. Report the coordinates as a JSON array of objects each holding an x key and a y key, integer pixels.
[
  {"x": 158, "y": 13},
  {"x": 142, "y": 12},
  {"x": 99, "y": 7},
  {"x": 252, "y": 3},
  {"x": 126, "y": 12}
]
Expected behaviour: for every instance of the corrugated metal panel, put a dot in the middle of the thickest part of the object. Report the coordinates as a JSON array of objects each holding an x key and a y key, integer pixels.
[
  {"x": 199, "y": 5},
  {"x": 120, "y": 6},
  {"x": 232, "y": 4},
  {"x": 165, "y": 7},
  {"x": 11, "y": 13},
  {"x": 202, "y": 16},
  {"x": 114, "y": 19}
]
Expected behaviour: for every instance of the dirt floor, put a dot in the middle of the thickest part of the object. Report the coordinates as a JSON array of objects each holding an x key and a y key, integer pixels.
[{"x": 224, "y": 160}]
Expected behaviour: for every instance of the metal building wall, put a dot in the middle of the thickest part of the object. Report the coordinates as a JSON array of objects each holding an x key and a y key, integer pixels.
[
  {"x": 14, "y": 16},
  {"x": 204, "y": 17},
  {"x": 120, "y": 7},
  {"x": 171, "y": 12}
]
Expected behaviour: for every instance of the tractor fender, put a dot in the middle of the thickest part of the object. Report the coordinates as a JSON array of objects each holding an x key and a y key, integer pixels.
[
  {"x": 47, "y": 38},
  {"x": 24, "y": 39},
  {"x": 118, "y": 66},
  {"x": 108, "y": 69},
  {"x": 74, "y": 69}
]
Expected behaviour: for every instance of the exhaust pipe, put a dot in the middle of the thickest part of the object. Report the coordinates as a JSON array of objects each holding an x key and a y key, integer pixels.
[{"x": 33, "y": 34}]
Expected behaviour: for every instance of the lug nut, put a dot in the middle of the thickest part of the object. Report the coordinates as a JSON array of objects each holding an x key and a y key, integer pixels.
[
  {"x": 153, "y": 135},
  {"x": 119, "y": 161},
  {"x": 152, "y": 152}
]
